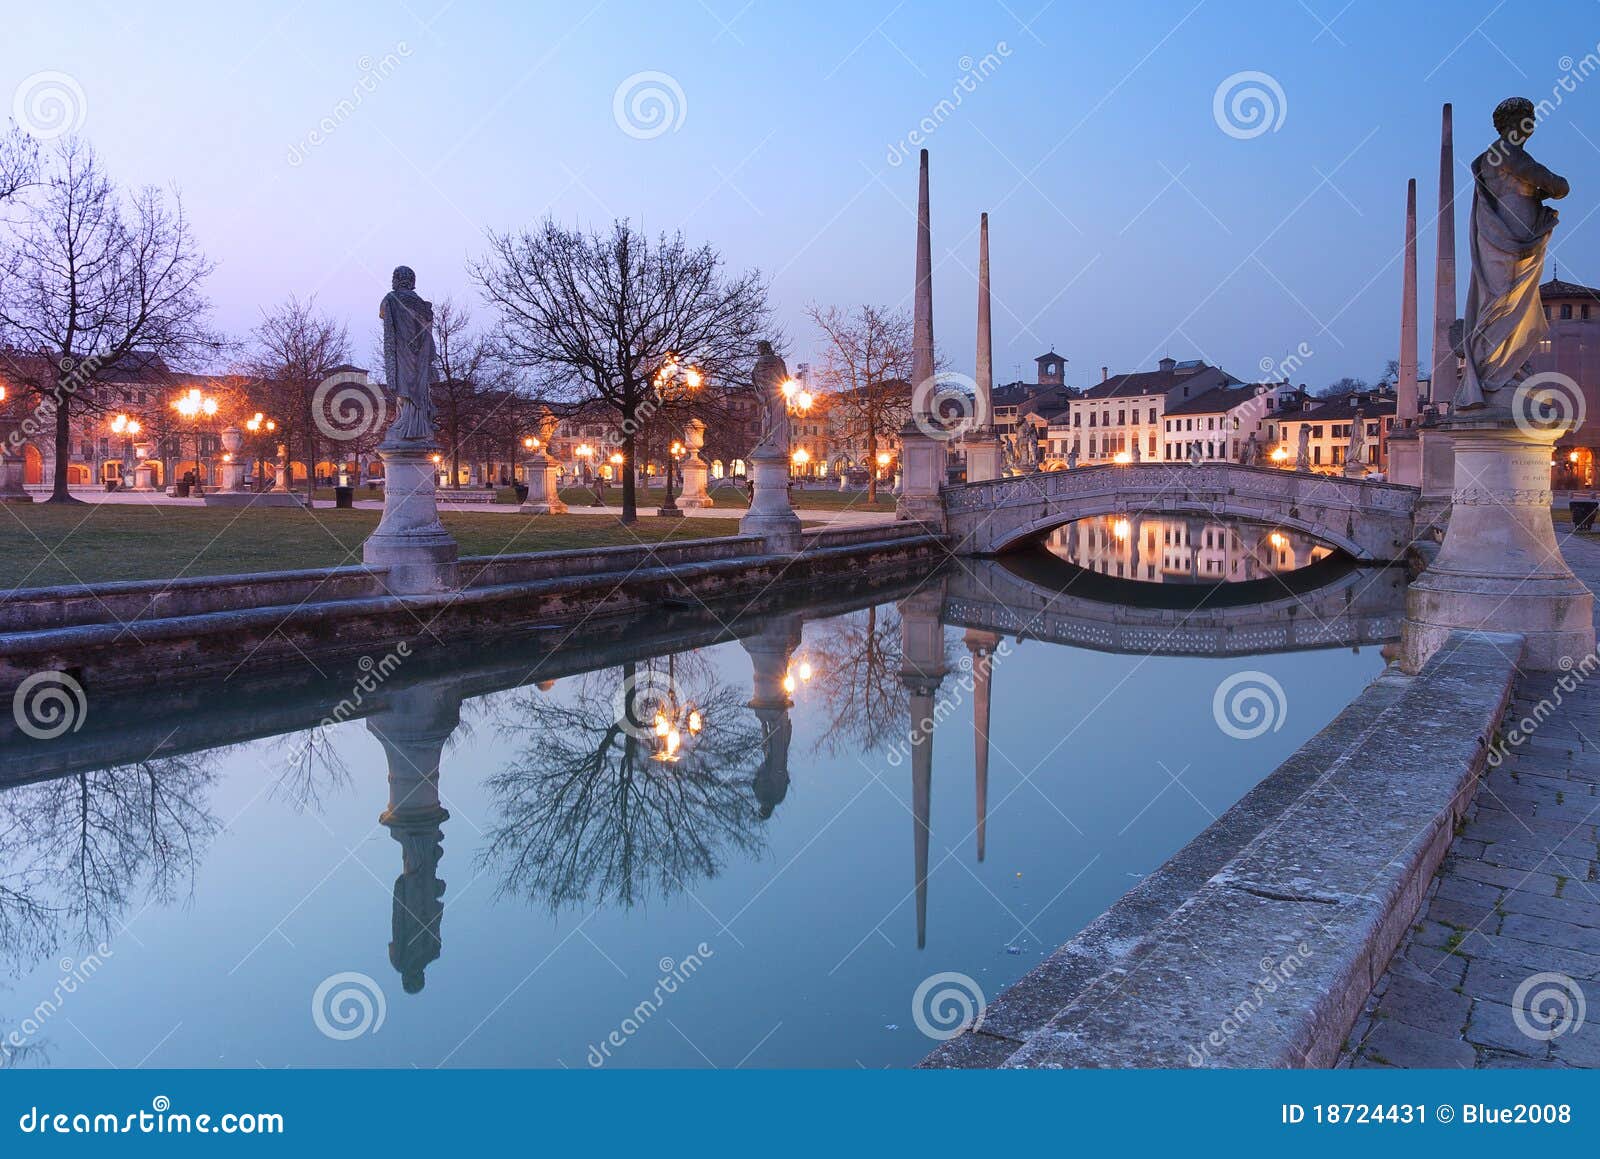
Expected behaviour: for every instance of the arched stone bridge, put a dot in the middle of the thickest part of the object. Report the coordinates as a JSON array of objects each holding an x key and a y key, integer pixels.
[{"x": 1368, "y": 521}]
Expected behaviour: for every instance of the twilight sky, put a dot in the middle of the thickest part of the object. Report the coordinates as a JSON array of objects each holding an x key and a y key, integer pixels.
[{"x": 316, "y": 149}]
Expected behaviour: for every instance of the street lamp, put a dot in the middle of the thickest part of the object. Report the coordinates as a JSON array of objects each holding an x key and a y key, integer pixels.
[
  {"x": 128, "y": 428},
  {"x": 670, "y": 507},
  {"x": 259, "y": 424},
  {"x": 194, "y": 406}
]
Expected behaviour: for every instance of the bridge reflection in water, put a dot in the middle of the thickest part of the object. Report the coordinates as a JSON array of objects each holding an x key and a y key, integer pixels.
[
  {"x": 1183, "y": 548},
  {"x": 591, "y": 807}
]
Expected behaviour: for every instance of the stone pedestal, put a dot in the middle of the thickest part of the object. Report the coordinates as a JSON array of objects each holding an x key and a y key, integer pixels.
[
  {"x": 543, "y": 477},
  {"x": 1500, "y": 568},
  {"x": 1438, "y": 478},
  {"x": 922, "y": 461},
  {"x": 770, "y": 515},
  {"x": 983, "y": 459},
  {"x": 410, "y": 541},
  {"x": 694, "y": 472},
  {"x": 144, "y": 477},
  {"x": 770, "y": 651},
  {"x": 12, "y": 463},
  {"x": 1405, "y": 458}
]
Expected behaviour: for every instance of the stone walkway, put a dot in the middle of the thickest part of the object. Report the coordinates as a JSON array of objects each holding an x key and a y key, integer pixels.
[{"x": 1516, "y": 904}]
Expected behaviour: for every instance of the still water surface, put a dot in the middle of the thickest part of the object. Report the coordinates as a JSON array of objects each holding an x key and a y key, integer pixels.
[{"x": 771, "y": 870}]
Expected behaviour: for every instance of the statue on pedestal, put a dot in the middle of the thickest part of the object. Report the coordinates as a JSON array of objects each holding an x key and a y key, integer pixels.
[
  {"x": 768, "y": 377},
  {"x": 1302, "y": 458},
  {"x": 408, "y": 358},
  {"x": 1355, "y": 454},
  {"x": 1510, "y": 229}
]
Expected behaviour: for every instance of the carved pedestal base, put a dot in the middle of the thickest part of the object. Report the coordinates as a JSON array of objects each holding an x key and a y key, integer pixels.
[
  {"x": 770, "y": 515},
  {"x": 1405, "y": 458},
  {"x": 922, "y": 463},
  {"x": 1500, "y": 568},
  {"x": 410, "y": 541},
  {"x": 983, "y": 460},
  {"x": 694, "y": 474},
  {"x": 543, "y": 477}
]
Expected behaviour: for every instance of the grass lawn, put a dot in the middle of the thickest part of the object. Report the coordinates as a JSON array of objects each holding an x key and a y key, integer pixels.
[{"x": 42, "y": 544}]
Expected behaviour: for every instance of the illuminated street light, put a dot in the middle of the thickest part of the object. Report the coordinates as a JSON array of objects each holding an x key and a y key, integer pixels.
[{"x": 193, "y": 405}]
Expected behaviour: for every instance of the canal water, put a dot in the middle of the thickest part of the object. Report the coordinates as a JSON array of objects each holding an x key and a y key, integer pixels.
[{"x": 699, "y": 852}]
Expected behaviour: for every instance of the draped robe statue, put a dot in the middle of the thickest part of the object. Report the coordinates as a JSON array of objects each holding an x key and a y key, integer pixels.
[
  {"x": 1356, "y": 450},
  {"x": 1302, "y": 458},
  {"x": 408, "y": 359},
  {"x": 768, "y": 377},
  {"x": 1510, "y": 230}
]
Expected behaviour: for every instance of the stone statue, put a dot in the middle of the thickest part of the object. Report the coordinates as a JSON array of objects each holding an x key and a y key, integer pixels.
[
  {"x": 1355, "y": 452},
  {"x": 408, "y": 359},
  {"x": 768, "y": 376},
  {"x": 1028, "y": 446},
  {"x": 1196, "y": 455},
  {"x": 1509, "y": 231},
  {"x": 1072, "y": 457},
  {"x": 1252, "y": 451},
  {"x": 1302, "y": 458},
  {"x": 1135, "y": 446}
]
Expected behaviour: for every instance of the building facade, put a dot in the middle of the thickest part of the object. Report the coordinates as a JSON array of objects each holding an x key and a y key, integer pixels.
[{"x": 1121, "y": 418}]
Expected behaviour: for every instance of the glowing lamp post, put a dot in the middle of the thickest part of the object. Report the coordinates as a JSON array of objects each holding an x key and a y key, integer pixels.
[
  {"x": 128, "y": 428},
  {"x": 670, "y": 507},
  {"x": 195, "y": 407}
]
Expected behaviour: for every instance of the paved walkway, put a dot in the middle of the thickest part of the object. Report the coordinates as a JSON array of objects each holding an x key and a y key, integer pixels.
[{"x": 1507, "y": 948}]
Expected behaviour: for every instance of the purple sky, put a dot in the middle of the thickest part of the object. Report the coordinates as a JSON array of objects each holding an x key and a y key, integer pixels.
[{"x": 1126, "y": 222}]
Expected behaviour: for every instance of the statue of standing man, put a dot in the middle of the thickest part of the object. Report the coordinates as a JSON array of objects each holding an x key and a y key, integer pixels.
[
  {"x": 1511, "y": 226},
  {"x": 408, "y": 358}
]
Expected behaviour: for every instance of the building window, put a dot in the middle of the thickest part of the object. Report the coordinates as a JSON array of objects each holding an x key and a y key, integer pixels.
[
  {"x": 1585, "y": 313},
  {"x": 1153, "y": 409},
  {"x": 1566, "y": 311}
]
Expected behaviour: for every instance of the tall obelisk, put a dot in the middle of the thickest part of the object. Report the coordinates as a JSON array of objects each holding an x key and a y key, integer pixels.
[
  {"x": 983, "y": 448},
  {"x": 1405, "y": 449},
  {"x": 922, "y": 456},
  {"x": 1444, "y": 282}
]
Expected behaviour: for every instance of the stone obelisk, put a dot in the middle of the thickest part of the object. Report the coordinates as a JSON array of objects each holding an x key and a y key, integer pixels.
[
  {"x": 922, "y": 456},
  {"x": 983, "y": 448},
  {"x": 1444, "y": 282},
  {"x": 1438, "y": 450},
  {"x": 1405, "y": 450}
]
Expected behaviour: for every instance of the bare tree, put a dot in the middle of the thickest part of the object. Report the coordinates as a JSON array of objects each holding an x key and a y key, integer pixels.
[
  {"x": 858, "y": 674},
  {"x": 90, "y": 277},
  {"x": 866, "y": 364},
  {"x": 599, "y": 317},
  {"x": 466, "y": 370},
  {"x": 19, "y": 162},
  {"x": 296, "y": 348}
]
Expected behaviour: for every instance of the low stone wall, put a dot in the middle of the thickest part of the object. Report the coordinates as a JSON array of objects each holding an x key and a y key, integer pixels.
[
  {"x": 538, "y": 593},
  {"x": 130, "y": 601},
  {"x": 1256, "y": 944}
]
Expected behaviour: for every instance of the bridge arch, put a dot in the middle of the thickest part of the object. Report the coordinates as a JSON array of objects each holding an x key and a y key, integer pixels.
[{"x": 1371, "y": 522}]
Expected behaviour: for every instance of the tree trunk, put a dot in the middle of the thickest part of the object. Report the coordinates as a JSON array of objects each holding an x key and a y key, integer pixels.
[
  {"x": 872, "y": 465},
  {"x": 58, "y": 490},
  {"x": 630, "y": 482}
]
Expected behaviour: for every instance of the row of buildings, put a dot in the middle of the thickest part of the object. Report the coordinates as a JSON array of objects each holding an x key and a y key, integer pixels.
[{"x": 1180, "y": 411}]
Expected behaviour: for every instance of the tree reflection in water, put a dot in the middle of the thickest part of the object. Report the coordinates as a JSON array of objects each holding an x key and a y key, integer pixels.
[
  {"x": 77, "y": 851},
  {"x": 858, "y": 681},
  {"x": 585, "y": 815}
]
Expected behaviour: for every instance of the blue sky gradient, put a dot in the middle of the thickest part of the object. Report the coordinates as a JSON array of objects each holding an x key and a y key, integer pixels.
[{"x": 1125, "y": 222}]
